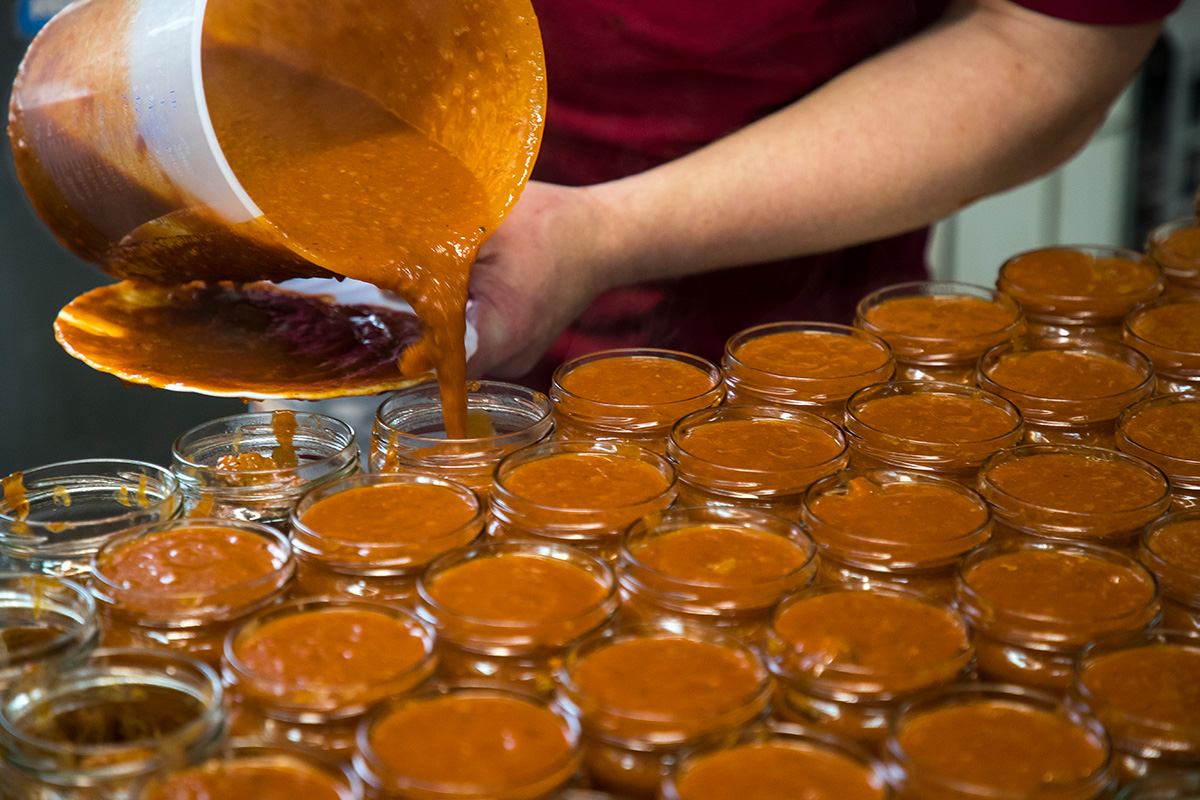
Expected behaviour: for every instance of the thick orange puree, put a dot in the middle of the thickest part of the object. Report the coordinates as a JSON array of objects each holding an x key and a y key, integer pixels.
[
  {"x": 883, "y": 634},
  {"x": 332, "y": 647},
  {"x": 190, "y": 561},
  {"x": 1077, "y": 483},
  {"x": 777, "y": 772},
  {"x": 1183, "y": 243},
  {"x": 724, "y": 556},
  {"x": 761, "y": 444},
  {"x": 389, "y": 512},
  {"x": 636, "y": 381},
  {"x": 899, "y": 512},
  {"x": 811, "y": 354},
  {"x": 1060, "y": 584},
  {"x": 1001, "y": 746},
  {"x": 936, "y": 418},
  {"x": 939, "y": 317},
  {"x": 493, "y": 742},
  {"x": 1062, "y": 272},
  {"x": 677, "y": 678},
  {"x": 1158, "y": 683},
  {"x": 1172, "y": 429},
  {"x": 518, "y": 588},
  {"x": 586, "y": 481},
  {"x": 1066, "y": 374},
  {"x": 233, "y": 781},
  {"x": 1178, "y": 544},
  {"x": 1175, "y": 326}
]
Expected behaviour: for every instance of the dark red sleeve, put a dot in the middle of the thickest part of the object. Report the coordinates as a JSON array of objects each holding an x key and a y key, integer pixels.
[{"x": 1104, "y": 12}]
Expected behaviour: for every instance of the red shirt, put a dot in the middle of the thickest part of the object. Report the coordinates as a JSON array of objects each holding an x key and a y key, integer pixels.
[{"x": 634, "y": 83}]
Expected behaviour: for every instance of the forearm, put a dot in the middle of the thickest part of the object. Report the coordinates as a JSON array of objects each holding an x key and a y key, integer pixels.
[{"x": 991, "y": 97}]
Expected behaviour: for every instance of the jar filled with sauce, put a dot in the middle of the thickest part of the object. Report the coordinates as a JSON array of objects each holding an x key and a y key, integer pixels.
[
  {"x": 779, "y": 762},
  {"x": 257, "y": 466},
  {"x": 46, "y": 624},
  {"x": 1079, "y": 291},
  {"x": 939, "y": 329},
  {"x": 248, "y": 769},
  {"x": 410, "y": 435},
  {"x": 1170, "y": 549},
  {"x": 1167, "y": 331},
  {"x": 1143, "y": 688},
  {"x": 940, "y": 429},
  {"x": 1034, "y": 605},
  {"x": 722, "y": 567},
  {"x": 1166, "y": 432},
  {"x": 807, "y": 366},
  {"x": 845, "y": 657},
  {"x": 631, "y": 395},
  {"x": 756, "y": 457},
  {"x": 1073, "y": 493},
  {"x": 580, "y": 493},
  {"x": 306, "y": 671},
  {"x": 646, "y": 693},
  {"x": 1069, "y": 391},
  {"x": 97, "y": 730},
  {"x": 183, "y": 584},
  {"x": 1175, "y": 245},
  {"x": 370, "y": 535},
  {"x": 467, "y": 741},
  {"x": 508, "y": 611},
  {"x": 883, "y": 527},
  {"x": 999, "y": 742},
  {"x": 53, "y": 518}
]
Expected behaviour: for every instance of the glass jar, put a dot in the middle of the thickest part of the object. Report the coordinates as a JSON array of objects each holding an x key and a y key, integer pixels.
[
  {"x": 756, "y": 457},
  {"x": 1034, "y": 605},
  {"x": 722, "y": 567},
  {"x": 1175, "y": 245},
  {"x": 1170, "y": 549},
  {"x": 846, "y": 657},
  {"x": 1174, "y": 785},
  {"x": 1080, "y": 290},
  {"x": 885, "y": 527},
  {"x": 47, "y": 624},
  {"x": 1161, "y": 430},
  {"x": 804, "y": 366},
  {"x": 256, "y": 466},
  {"x": 306, "y": 671},
  {"x": 1072, "y": 493},
  {"x": 54, "y": 517},
  {"x": 779, "y": 760},
  {"x": 467, "y": 741},
  {"x": 246, "y": 768},
  {"x": 646, "y": 693},
  {"x": 1167, "y": 331},
  {"x": 409, "y": 435},
  {"x": 507, "y": 611},
  {"x": 631, "y": 395},
  {"x": 940, "y": 429},
  {"x": 1069, "y": 391},
  {"x": 580, "y": 493},
  {"x": 999, "y": 742},
  {"x": 939, "y": 329},
  {"x": 1143, "y": 689},
  {"x": 371, "y": 535},
  {"x": 183, "y": 584},
  {"x": 97, "y": 730}
]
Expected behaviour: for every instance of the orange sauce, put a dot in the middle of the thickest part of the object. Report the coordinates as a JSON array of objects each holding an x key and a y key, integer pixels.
[
  {"x": 15, "y": 497},
  {"x": 636, "y": 381},
  {"x": 1077, "y": 483},
  {"x": 586, "y": 481},
  {"x": 1171, "y": 429},
  {"x": 389, "y": 513},
  {"x": 720, "y": 556},
  {"x": 778, "y": 772},
  {"x": 1066, "y": 273},
  {"x": 761, "y": 444},
  {"x": 811, "y": 354},
  {"x": 937, "y": 418},
  {"x": 1066, "y": 374},
  {"x": 898, "y": 512},
  {"x": 1178, "y": 544},
  {"x": 223, "y": 780},
  {"x": 938, "y": 317},
  {"x": 1182, "y": 245},
  {"x": 1152, "y": 684},
  {"x": 498, "y": 744},
  {"x": 1175, "y": 326}
]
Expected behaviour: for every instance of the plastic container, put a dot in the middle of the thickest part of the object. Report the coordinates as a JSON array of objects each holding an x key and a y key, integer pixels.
[
  {"x": 1167, "y": 331},
  {"x": 1157, "y": 430},
  {"x": 46, "y": 624},
  {"x": 806, "y": 366},
  {"x": 939, "y": 329},
  {"x": 370, "y": 535},
  {"x": 1175, "y": 245},
  {"x": 1170, "y": 549},
  {"x": 631, "y": 395},
  {"x": 256, "y": 466},
  {"x": 1069, "y": 391},
  {"x": 53, "y": 518},
  {"x": 409, "y": 435}
]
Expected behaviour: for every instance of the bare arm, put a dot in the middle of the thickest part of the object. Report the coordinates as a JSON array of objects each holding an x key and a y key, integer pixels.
[{"x": 990, "y": 97}]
